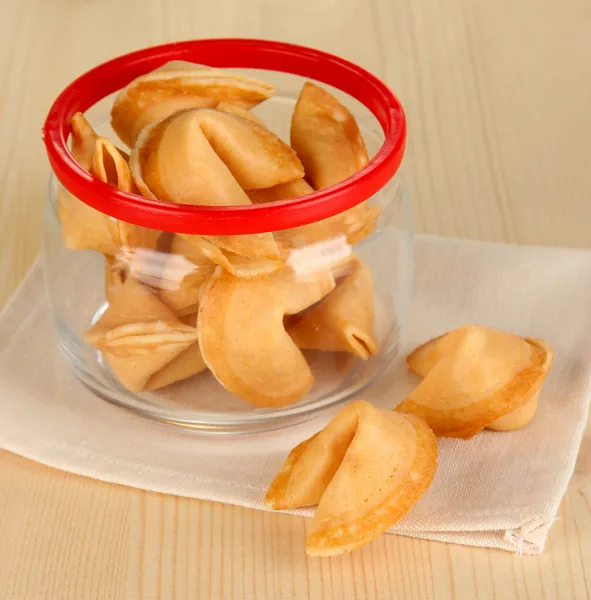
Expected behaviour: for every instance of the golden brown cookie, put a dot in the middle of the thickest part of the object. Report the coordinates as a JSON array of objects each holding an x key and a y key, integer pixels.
[
  {"x": 329, "y": 143},
  {"x": 206, "y": 157},
  {"x": 343, "y": 321},
  {"x": 365, "y": 470},
  {"x": 475, "y": 375},
  {"x": 111, "y": 166},
  {"x": 179, "y": 86},
  {"x": 83, "y": 140},
  {"x": 243, "y": 338},
  {"x": 85, "y": 228},
  {"x": 185, "y": 271},
  {"x": 188, "y": 363},
  {"x": 518, "y": 418},
  {"x": 326, "y": 137},
  {"x": 138, "y": 335},
  {"x": 353, "y": 225},
  {"x": 239, "y": 266}
]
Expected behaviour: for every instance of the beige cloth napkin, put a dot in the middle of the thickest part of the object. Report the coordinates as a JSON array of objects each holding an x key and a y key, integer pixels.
[{"x": 499, "y": 489}]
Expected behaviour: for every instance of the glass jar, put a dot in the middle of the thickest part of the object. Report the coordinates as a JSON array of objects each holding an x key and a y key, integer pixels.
[{"x": 229, "y": 318}]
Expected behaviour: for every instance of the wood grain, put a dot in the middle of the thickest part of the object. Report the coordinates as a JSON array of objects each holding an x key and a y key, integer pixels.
[{"x": 498, "y": 96}]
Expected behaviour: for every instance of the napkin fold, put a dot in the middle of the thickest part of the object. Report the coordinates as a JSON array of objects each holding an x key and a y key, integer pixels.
[{"x": 499, "y": 490}]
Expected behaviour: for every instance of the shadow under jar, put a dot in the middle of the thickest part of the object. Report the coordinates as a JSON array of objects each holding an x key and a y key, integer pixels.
[{"x": 185, "y": 287}]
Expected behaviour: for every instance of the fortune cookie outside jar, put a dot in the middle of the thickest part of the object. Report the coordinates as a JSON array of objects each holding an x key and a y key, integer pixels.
[
  {"x": 365, "y": 470},
  {"x": 473, "y": 377}
]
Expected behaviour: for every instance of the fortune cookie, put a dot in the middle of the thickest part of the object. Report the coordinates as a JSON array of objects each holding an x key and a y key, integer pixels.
[
  {"x": 180, "y": 86},
  {"x": 110, "y": 166},
  {"x": 206, "y": 157},
  {"x": 239, "y": 266},
  {"x": 296, "y": 237},
  {"x": 185, "y": 271},
  {"x": 353, "y": 225},
  {"x": 243, "y": 338},
  {"x": 477, "y": 377},
  {"x": 328, "y": 141},
  {"x": 326, "y": 138},
  {"x": 305, "y": 235},
  {"x": 83, "y": 141},
  {"x": 365, "y": 470},
  {"x": 255, "y": 157},
  {"x": 83, "y": 227},
  {"x": 188, "y": 363},
  {"x": 344, "y": 320},
  {"x": 518, "y": 418},
  {"x": 138, "y": 335}
]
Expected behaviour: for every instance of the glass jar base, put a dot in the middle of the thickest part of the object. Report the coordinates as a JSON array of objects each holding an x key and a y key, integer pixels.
[{"x": 174, "y": 407}]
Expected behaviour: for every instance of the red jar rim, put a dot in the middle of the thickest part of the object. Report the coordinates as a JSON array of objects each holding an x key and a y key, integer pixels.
[{"x": 111, "y": 76}]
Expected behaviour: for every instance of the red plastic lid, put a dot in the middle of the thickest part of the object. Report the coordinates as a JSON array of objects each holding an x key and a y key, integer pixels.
[{"x": 109, "y": 77}]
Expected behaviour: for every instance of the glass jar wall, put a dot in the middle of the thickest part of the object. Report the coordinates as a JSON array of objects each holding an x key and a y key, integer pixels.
[{"x": 229, "y": 330}]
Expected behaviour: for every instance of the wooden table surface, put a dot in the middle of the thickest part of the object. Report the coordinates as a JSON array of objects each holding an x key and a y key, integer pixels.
[{"x": 498, "y": 96}]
